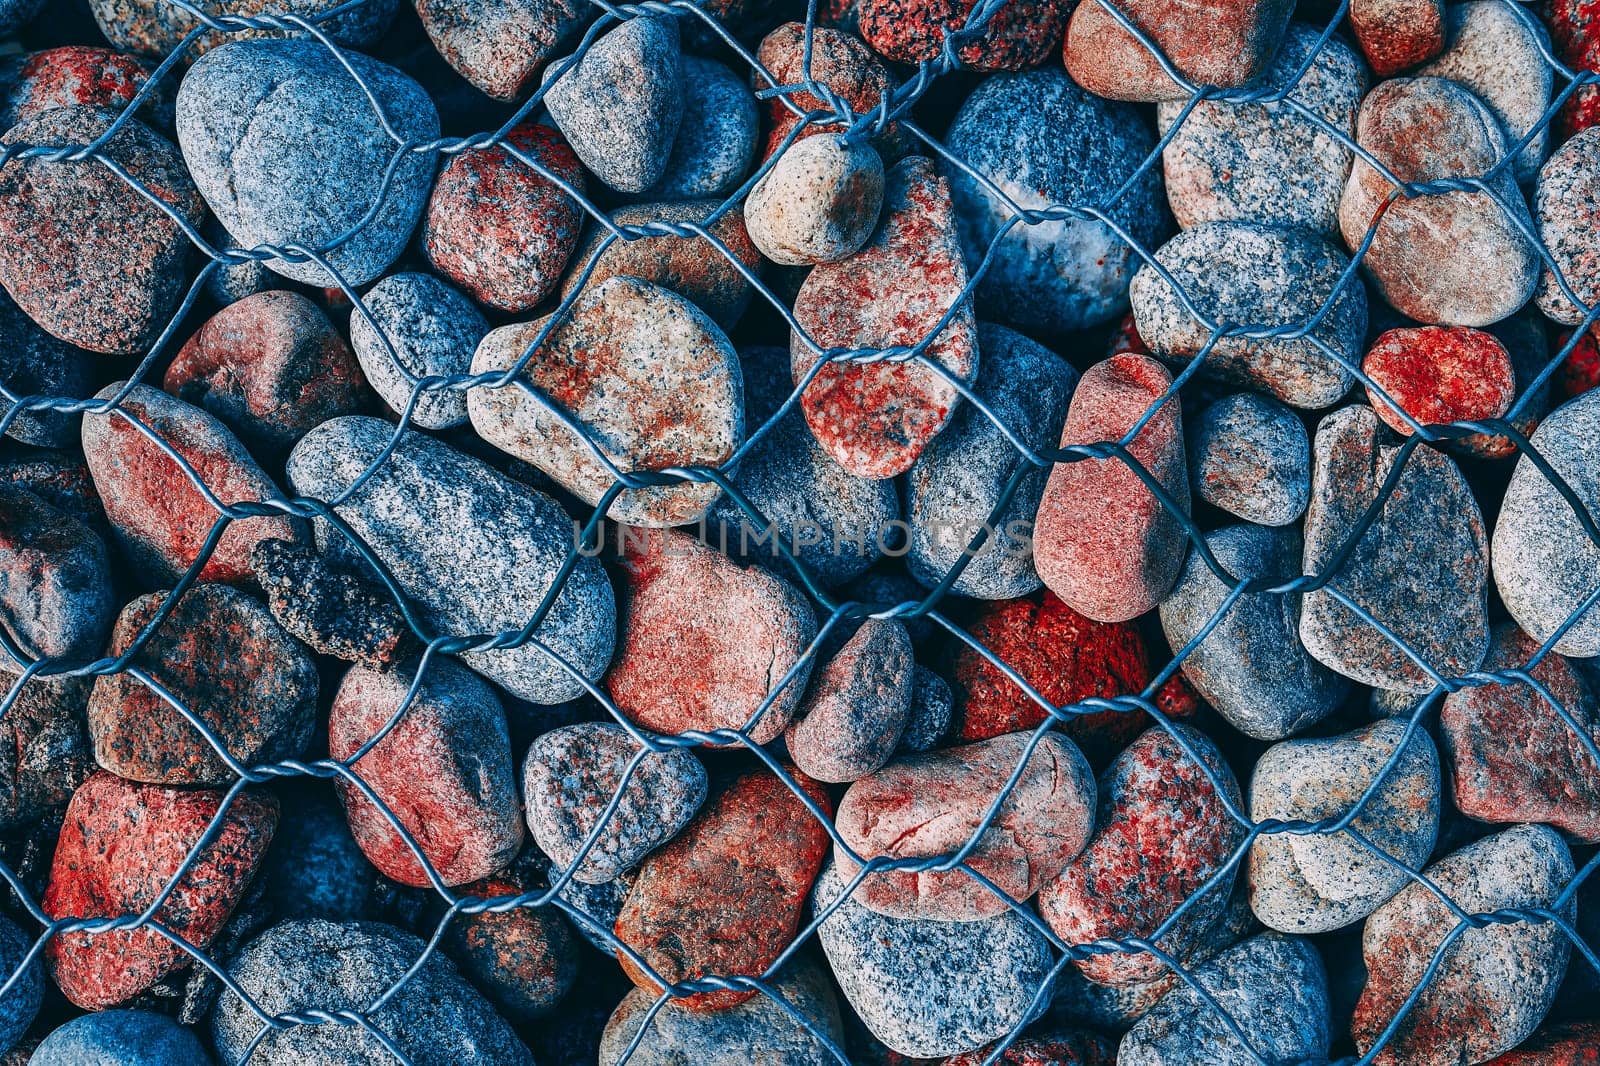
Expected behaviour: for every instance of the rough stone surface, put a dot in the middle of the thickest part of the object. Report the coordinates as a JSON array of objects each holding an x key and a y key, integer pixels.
[
  {"x": 1396, "y": 34},
  {"x": 705, "y": 642},
  {"x": 44, "y": 753},
  {"x": 124, "y": 1037},
  {"x": 1017, "y": 37},
  {"x": 876, "y": 418},
  {"x": 333, "y": 609},
  {"x": 1162, "y": 833},
  {"x": 314, "y": 868},
  {"x": 1420, "y": 569},
  {"x": 1251, "y": 666},
  {"x": 79, "y": 76},
  {"x": 22, "y": 1000},
  {"x": 430, "y": 330},
  {"x": 1575, "y": 32},
  {"x": 1225, "y": 43},
  {"x": 524, "y": 960},
  {"x": 270, "y": 367},
  {"x": 819, "y": 203},
  {"x": 436, "y": 1018},
  {"x": 1053, "y": 1047},
  {"x": 55, "y": 581},
  {"x": 1566, "y": 207},
  {"x": 1572, "y": 1044},
  {"x": 929, "y": 717},
  {"x": 1250, "y": 456},
  {"x": 15, "y": 14},
  {"x": 221, "y": 654},
  {"x": 501, "y": 230},
  {"x": 841, "y": 61},
  {"x": 852, "y": 720},
  {"x": 569, "y": 777},
  {"x": 929, "y": 805},
  {"x": 717, "y": 137},
  {"x": 1316, "y": 882},
  {"x": 1493, "y": 985},
  {"x": 60, "y": 479},
  {"x": 474, "y": 550},
  {"x": 81, "y": 251},
  {"x": 929, "y": 988},
  {"x": 443, "y": 770},
  {"x": 499, "y": 45},
  {"x": 34, "y": 363},
  {"x": 1102, "y": 540},
  {"x": 726, "y": 896},
  {"x": 287, "y": 149},
  {"x": 957, "y": 483},
  {"x": 1439, "y": 374},
  {"x": 1452, "y": 258},
  {"x": 119, "y": 847},
  {"x": 1045, "y": 142},
  {"x": 154, "y": 28},
  {"x": 1259, "y": 276}
]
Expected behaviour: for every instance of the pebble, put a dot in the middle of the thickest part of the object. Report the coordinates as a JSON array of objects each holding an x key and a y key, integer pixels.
[
  {"x": 444, "y": 771},
  {"x": 839, "y": 60},
  {"x": 1497, "y": 54},
  {"x": 232, "y": 281},
  {"x": 1566, "y": 206},
  {"x": 834, "y": 523},
  {"x": 725, "y": 897},
  {"x": 271, "y": 367},
  {"x": 757, "y": 1030},
  {"x": 524, "y": 960},
  {"x": 621, "y": 105},
  {"x": 596, "y": 908},
  {"x": 927, "y": 988},
  {"x": 475, "y": 551},
  {"x": 417, "y": 325},
  {"x": 876, "y": 418},
  {"x": 155, "y": 28},
  {"x": 44, "y": 755},
  {"x": 646, "y": 373},
  {"x": 1162, "y": 833},
  {"x": 314, "y": 868},
  {"x": 499, "y": 45},
  {"x": 851, "y": 721},
  {"x": 34, "y": 363},
  {"x": 819, "y": 203},
  {"x": 1045, "y": 142},
  {"x": 1017, "y": 36},
  {"x": 1575, "y": 32},
  {"x": 77, "y": 76},
  {"x": 1514, "y": 758},
  {"x": 21, "y": 1002},
  {"x": 929, "y": 717},
  {"x": 1226, "y": 45},
  {"x": 82, "y": 253},
  {"x": 220, "y": 654},
  {"x": 1318, "y": 882},
  {"x": 1273, "y": 987},
  {"x": 1064, "y": 1047},
  {"x": 60, "y": 479},
  {"x": 161, "y": 520},
  {"x": 716, "y": 138},
  {"x": 704, "y": 641},
  {"x": 121, "y": 1037},
  {"x": 435, "y": 1019},
  {"x": 500, "y": 230},
  {"x": 693, "y": 267},
  {"x": 1251, "y": 666},
  {"x": 569, "y": 778},
  {"x": 1267, "y": 162},
  {"x": 1453, "y": 258},
  {"x": 1263, "y": 277},
  {"x": 923, "y": 806},
  {"x": 306, "y": 158},
  {"x": 1523, "y": 335},
  {"x": 1439, "y": 374},
  {"x": 1572, "y": 1044},
  {"x": 1421, "y": 569},
  {"x": 120, "y": 845},
  {"x": 55, "y": 581},
  {"x": 1250, "y": 456},
  {"x": 1102, "y": 540},
  {"x": 332, "y": 609},
  {"x": 1494, "y": 985},
  {"x": 956, "y": 485},
  {"x": 14, "y": 14}
]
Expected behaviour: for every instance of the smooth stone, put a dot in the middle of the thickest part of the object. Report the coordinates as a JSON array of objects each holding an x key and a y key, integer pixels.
[
  {"x": 56, "y": 598},
  {"x": 1250, "y": 456},
  {"x": 500, "y": 45},
  {"x": 818, "y": 203},
  {"x": 1396, "y": 34},
  {"x": 121, "y": 1038},
  {"x": 314, "y": 868},
  {"x": 1438, "y": 375},
  {"x": 77, "y": 75},
  {"x": 717, "y": 136},
  {"x": 415, "y": 325},
  {"x": 837, "y": 59},
  {"x": 524, "y": 960},
  {"x": 851, "y": 721},
  {"x": 1566, "y": 206},
  {"x": 1226, "y": 44},
  {"x": 155, "y": 28},
  {"x": 35, "y": 363},
  {"x": 21, "y": 1003},
  {"x": 929, "y": 717}
]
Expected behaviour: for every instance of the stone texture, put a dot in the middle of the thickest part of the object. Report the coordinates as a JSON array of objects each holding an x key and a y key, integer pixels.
[
  {"x": 420, "y": 327},
  {"x": 1251, "y": 666},
  {"x": 956, "y": 485},
  {"x": 60, "y": 479},
  {"x": 1016, "y": 37},
  {"x": 1575, "y": 32},
  {"x": 1225, "y": 43},
  {"x": 1250, "y": 456},
  {"x": 499, "y": 45},
  {"x": 725, "y": 897},
  {"x": 1572, "y": 1044},
  {"x": 571, "y": 774},
  {"x": 716, "y": 138},
  {"x": 1452, "y": 258},
  {"x": 443, "y": 770},
  {"x": 1046, "y": 142},
  {"x": 155, "y": 28},
  {"x": 44, "y": 754},
  {"x": 119, "y": 848},
  {"x": 524, "y": 960},
  {"x": 928, "y": 805},
  {"x": 1162, "y": 832},
  {"x": 1260, "y": 277},
  {"x": 840, "y": 60},
  {"x": 78, "y": 75},
  {"x": 1396, "y": 34},
  {"x": 1267, "y": 162},
  {"x": 819, "y": 203},
  {"x": 22, "y": 999},
  {"x": 124, "y": 1037},
  {"x": 34, "y": 363},
  {"x": 1102, "y": 540},
  {"x": 15, "y": 14},
  {"x": 314, "y": 868},
  {"x": 55, "y": 581},
  {"x": 1566, "y": 205},
  {"x": 475, "y": 551},
  {"x": 1420, "y": 569},
  {"x": 333, "y": 609},
  {"x": 929, "y": 717},
  {"x": 1493, "y": 985},
  {"x": 1055, "y": 1047},
  {"x": 220, "y": 654},
  {"x": 852, "y": 719},
  {"x": 436, "y": 1018},
  {"x": 1439, "y": 374},
  {"x": 287, "y": 149},
  {"x": 270, "y": 367},
  {"x": 82, "y": 252},
  {"x": 1318, "y": 882}
]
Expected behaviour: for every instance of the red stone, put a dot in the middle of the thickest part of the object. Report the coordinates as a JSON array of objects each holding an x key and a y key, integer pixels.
[
  {"x": 271, "y": 367},
  {"x": 1224, "y": 42},
  {"x": 726, "y": 896},
  {"x": 1440, "y": 374},
  {"x": 1125, "y": 338},
  {"x": 77, "y": 76},
  {"x": 498, "y": 228},
  {"x": 876, "y": 418},
  {"x": 1067, "y": 1048},
  {"x": 1396, "y": 34},
  {"x": 1580, "y": 371},
  {"x": 1020, "y": 35},
  {"x": 119, "y": 847},
  {"x": 1573, "y": 1044},
  {"x": 840, "y": 61},
  {"x": 525, "y": 959},
  {"x": 1102, "y": 541},
  {"x": 1575, "y": 32}
]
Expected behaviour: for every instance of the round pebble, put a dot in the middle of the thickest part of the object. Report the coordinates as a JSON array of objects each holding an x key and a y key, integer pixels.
[
  {"x": 1224, "y": 44},
  {"x": 155, "y": 28},
  {"x": 121, "y": 1038},
  {"x": 21, "y": 1002},
  {"x": 524, "y": 960},
  {"x": 1439, "y": 374},
  {"x": 34, "y": 363},
  {"x": 819, "y": 203},
  {"x": 417, "y": 326},
  {"x": 1566, "y": 206},
  {"x": 1396, "y": 34},
  {"x": 55, "y": 580},
  {"x": 716, "y": 138},
  {"x": 837, "y": 59},
  {"x": 852, "y": 719},
  {"x": 499, "y": 45},
  {"x": 929, "y": 717},
  {"x": 78, "y": 76},
  {"x": 314, "y": 868},
  {"x": 1250, "y": 456}
]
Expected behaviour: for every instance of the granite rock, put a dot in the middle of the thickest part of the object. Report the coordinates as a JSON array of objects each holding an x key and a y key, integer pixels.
[
  {"x": 417, "y": 326},
  {"x": 1250, "y": 456}
]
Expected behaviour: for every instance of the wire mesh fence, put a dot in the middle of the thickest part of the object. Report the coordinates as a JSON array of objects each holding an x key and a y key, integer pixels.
[{"x": 897, "y": 108}]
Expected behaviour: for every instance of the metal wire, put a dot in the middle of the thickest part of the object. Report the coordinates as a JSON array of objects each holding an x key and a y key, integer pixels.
[{"x": 895, "y": 108}]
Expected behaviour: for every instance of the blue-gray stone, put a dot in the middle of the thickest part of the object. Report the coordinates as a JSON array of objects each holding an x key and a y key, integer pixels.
[
  {"x": 121, "y": 1038},
  {"x": 929, "y": 717},
  {"x": 716, "y": 137},
  {"x": 314, "y": 868},
  {"x": 20, "y": 1004},
  {"x": 431, "y": 329},
  {"x": 1250, "y": 456},
  {"x": 14, "y": 14},
  {"x": 34, "y": 363}
]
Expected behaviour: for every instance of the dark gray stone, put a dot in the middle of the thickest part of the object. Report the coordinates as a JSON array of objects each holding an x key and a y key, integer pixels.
[
  {"x": 231, "y": 282},
  {"x": 1250, "y": 456},
  {"x": 716, "y": 138},
  {"x": 431, "y": 329},
  {"x": 598, "y": 907},
  {"x": 929, "y": 717},
  {"x": 1566, "y": 208},
  {"x": 56, "y": 597},
  {"x": 44, "y": 750},
  {"x": 121, "y": 1038},
  {"x": 314, "y": 868},
  {"x": 851, "y": 720},
  {"x": 20, "y": 1005},
  {"x": 34, "y": 363},
  {"x": 14, "y": 14}
]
